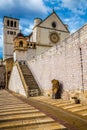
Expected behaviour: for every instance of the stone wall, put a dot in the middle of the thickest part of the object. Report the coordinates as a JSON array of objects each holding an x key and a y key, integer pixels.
[
  {"x": 2, "y": 76},
  {"x": 15, "y": 82},
  {"x": 65, "y": 62}
]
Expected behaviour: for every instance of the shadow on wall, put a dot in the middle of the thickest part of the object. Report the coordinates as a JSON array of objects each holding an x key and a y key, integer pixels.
[
  {"x": 59, "y": 92},
  {"x": 57, "y": 89}
]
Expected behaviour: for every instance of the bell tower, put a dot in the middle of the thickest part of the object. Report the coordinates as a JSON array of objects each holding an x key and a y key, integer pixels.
[{"x": 10, "y": 30}]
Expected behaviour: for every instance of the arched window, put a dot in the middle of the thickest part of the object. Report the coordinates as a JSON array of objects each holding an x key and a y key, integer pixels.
[
  {"x": 7, "y": 22},
  {"x": 11, "y": 23},
  {"x": 14, "y": 33},
  {"x": 7, "y": 32},
  {"x": 15, "y": 24},
  {"x": 11, "y": 32},
  {"x": 31, "y": 44},
  {"x": 27, "y": 44},
  {"x": 21, "y": 44},
  {"x": 34, "y": 45}
]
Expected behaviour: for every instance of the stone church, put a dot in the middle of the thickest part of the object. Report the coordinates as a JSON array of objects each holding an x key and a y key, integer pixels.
[
  {"x": 49, "y": 53},
  {"x": 45, "y": 34}
]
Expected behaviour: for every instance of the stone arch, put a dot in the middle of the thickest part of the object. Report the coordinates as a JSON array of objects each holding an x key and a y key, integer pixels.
[{"x": 21, "y": 44}]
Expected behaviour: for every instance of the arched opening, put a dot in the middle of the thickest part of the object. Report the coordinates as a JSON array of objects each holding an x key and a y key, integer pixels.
[
  {"x": 11, "y": 23},
  {"x": 34, "y": 45},
  {"x": 15, "y": 24},
  {"x": 21, "y": 44},
  {"x": 31, "y": 44},
  {"x": 14, "y": 33},
  {"x": 27, "y": 44},
  {"x": 7, "y": 22}
]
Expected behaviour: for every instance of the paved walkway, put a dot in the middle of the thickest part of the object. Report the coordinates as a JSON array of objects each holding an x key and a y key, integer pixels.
[
  {"x": 73, "y": 116},
  {"x": 17, "y": 114},
  {"x": 40, "y": 113}
]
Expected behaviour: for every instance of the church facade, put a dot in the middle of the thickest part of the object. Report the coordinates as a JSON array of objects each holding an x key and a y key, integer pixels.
[{"x": 45, "y": 34}]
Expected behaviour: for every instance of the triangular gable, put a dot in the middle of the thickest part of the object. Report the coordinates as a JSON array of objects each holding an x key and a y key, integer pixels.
[{"x": 47, "y": 22}]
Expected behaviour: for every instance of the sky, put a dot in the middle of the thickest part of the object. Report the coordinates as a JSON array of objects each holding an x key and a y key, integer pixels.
[{"x": 71, "y": 12}]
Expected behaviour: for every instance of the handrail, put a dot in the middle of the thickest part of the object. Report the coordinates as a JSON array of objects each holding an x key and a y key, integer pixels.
[{"x": 22, "y": 78}]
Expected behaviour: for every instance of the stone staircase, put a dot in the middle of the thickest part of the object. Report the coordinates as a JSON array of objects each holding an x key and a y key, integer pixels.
[
  {"x": 33, "y": 87},
  {"x": 78, "y": 109},
  {"x": 18, "y": 115}
]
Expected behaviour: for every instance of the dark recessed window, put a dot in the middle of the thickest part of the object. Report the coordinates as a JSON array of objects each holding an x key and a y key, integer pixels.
[
  {"x": 7, "y": 32},
  {"x": 54, "y": 24},
  {"x": 11, "y": 32},
  {"x": 7, "y": 22},
  {"x": 30, "y": 44},
  {"x": 27, "y": 44},
  {"x": 34, "y": 45},
  {"x": 11, "y": 23},
  {"x": 14, "y": 33},
  {"x": 15, "y": 24},
  {"x": 21, "y": 44}
]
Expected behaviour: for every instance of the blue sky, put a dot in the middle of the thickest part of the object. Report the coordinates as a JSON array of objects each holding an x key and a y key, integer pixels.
[{"x": 71, "y": 12}]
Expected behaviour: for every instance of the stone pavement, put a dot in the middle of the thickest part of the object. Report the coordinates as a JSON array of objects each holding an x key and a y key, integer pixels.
[
  {"x": 16, "y": 114},
  {"x": 67, "y": 105},
  {"x": 73, "y": 116}
]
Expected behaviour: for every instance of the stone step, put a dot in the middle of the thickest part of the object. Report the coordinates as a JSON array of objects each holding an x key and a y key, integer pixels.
[
  {"x": 21, "y": 116},
  {"x": 45, "y": 123},
  {"x": 13, "y": 103},
  {"x": 71, "y": 106},
  {"x": 76, "y": 109},
  {"x": 13, "y": 106},
  {"x": 26, "y": 73},
  {"x": 31, "y": 82},
  {"x": 29, "y": 79},
  {"x": 17, "y": 115},
  {"x": 82, "y": 113},
  {"x": 28, "y": 76},
  {"x": 28, "y": 121},
  {"x": 25, "y": 70},
  {"x": 17, "y": 109},
  {"x": 18, "y": 112},
  {"x": 45, "y": 126},
  {"x": 9, "y": 98},
  {"x": 59, "y": 103},
  {"x": 10, "y": 103}
]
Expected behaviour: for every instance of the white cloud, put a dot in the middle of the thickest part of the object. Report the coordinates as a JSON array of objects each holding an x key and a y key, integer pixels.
[
  {"x": 1, "y": 40},
  {"x": 1, "y": 33},
  {"x": 75, "y": 5},
  {"x": 74, "y": 23},
  {"x": 35, "y": 5},
  {"x": 26, "y": 26},
  {"x": 29, "y": 29},
  {"x": 6, "y": 3},
  {"x": 57, "y": 8},
  {"x": 29, "y": 5}
]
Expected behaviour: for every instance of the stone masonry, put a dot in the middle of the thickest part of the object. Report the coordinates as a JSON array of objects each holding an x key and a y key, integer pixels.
[{"x": 66, "y": 62}]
